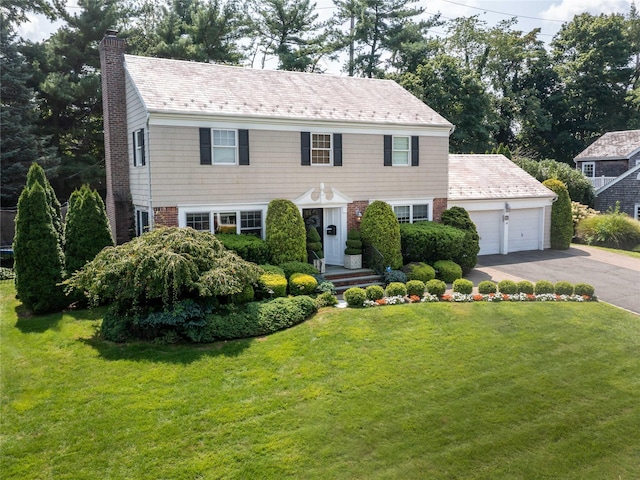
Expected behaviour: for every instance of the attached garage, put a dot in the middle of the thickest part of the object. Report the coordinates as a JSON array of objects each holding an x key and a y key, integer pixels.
[{"x": 511, "y": 209}]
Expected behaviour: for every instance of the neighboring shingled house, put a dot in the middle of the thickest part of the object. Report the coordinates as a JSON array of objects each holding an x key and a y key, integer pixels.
[
  {"x": 613, "y": 164},
  {"x": 209, "y": 146},
  {"x": 511, "y": 209}
]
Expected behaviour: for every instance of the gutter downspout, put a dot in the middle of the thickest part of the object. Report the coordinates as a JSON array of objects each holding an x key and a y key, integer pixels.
[{"x": 151, "y": 216}]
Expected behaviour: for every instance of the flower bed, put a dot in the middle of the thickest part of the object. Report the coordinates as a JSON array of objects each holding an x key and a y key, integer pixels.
[{"x": 492, "y": 297}]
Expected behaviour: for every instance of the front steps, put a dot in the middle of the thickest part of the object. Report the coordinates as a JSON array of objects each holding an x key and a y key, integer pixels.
[{"x": 344, "y": 278}]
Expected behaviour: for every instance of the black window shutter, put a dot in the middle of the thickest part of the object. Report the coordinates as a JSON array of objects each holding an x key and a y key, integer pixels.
[
  {"x": 143, "y": 159},
  {"x": 305, "y": 148},
  {"x": 135, "y": 152},
  {"x": 388, "y": 150},
  {"x": 205, "y": 146},
  {"x": 415, "y": 151},
  {"x": 337, "y": 149},
  {"x": 243, "y": 147}
]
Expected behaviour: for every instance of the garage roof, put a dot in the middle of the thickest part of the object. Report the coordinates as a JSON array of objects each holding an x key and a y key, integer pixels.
[{"x": 481, "y": 177}]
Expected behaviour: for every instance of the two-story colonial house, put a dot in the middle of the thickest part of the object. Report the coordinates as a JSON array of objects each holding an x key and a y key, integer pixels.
[{"x": 209, "y": 146}]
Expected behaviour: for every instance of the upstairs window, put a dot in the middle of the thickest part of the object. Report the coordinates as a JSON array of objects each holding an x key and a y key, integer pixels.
[
  {"x": 401, "y": 151},
  {"x": 139, "y": 159},
  {"x": 589, "y": 169},
  {"x": 321, "y": 149},
  {"x": 224, "y": 147}
]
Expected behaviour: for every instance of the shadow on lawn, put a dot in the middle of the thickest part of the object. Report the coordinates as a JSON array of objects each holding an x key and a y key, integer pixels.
[
  {"x": 30, "y": 323},
  {"x": 150, "y": 352}
]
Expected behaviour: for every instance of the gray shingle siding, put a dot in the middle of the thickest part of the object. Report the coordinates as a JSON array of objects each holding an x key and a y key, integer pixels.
[{"x": 626, "y": 191}]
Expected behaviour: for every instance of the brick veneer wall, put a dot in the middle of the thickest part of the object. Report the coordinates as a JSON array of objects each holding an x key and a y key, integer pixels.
[
  {"x": 352, "y": 208},
  {"x": 439, "y": 206},
  {"x": 114, "y": 104},
  {"x": 165, "y": 217}
]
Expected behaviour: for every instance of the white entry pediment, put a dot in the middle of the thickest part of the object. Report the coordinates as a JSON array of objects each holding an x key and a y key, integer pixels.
[{"x": 323, "y": 197}]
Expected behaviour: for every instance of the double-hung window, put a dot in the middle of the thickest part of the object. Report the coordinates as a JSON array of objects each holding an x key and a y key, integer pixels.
[
  {"x": 401, "y": 151},
  {"x": 139, "y": 159},
  {"x": 320, "y": 149},
  {"x": 225, "y": 151},
  {"x": 412, "y": 212}
]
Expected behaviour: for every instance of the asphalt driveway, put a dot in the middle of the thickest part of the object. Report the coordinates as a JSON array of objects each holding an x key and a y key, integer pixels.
[{"x": 616, "y": 278}]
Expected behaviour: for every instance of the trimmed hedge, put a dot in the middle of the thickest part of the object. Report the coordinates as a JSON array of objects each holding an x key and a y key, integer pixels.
[
  {"x": 436, "y": 287},
  {"x": 419, "y": 271},
  {"x": 379, "y": 228},
  {"x": 355, "y": 296},
  {"x": 396, "y": 289},
  {"x": 563, "y": 288},
  {"x": 462, "y": 285},
  {"x": 583, "y": 289},
  {"x": 508, "y": 287},
  {"x": 458, "y": 217},
  {"x": 374, "y": 292},
  {"x": 415, "y": 287},
  {"x": 525, "y": 286},
  {"x": 561, "y": 215},
  {"x": 429, "y": 242},
  {"x": 447, "y": 271},
  {"x": 486, "y": 287},
  {"x": 248, "y": 247},
  {"x": 543, "y": 286},
  {"x": 302, "y": 284}
]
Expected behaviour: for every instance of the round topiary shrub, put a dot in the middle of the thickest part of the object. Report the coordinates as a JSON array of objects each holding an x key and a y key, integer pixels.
[
  {"x": 415, "y": 287},
  {"x": 419, "y": 271},
  {"x": 326, "y": 299},
  {"x": 563, "y": 288},
  {"x": 447, "y": 271},
  {"x": 584, "y": 289},
  {"x": 354, "y": 243},
  {"x": 561, "y": 216},
  {"x": 394, "y": 276},
  {"x": 486, "y": 287},
  {"x": 436, "y": 287},
  {"x": 285, "y": 233},
  {"x": 525, "y": 286},
  {"x": 273, "y": 285},
  {"x": 355, "y": 296},
  {"x": 396, "y": 289},
  {"x": 462, "y": 285},
  {"x": 374, "y": 292},
  {"x": 380, "y": 229},
  {"x": 507, "y": 287},
  {"x": 543, "y": 287},
  {"x": 302, "y": 284}
]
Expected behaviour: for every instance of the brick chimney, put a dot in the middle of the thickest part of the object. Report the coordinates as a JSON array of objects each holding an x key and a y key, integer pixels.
[{"x": 114, "y": 106}]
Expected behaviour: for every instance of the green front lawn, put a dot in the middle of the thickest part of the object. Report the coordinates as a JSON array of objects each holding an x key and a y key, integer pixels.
[{"x": 437, "y": 391}]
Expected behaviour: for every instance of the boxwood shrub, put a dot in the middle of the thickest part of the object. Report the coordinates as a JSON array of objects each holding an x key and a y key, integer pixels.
[
  {"x": 272, "y": 285},
  {"x": 415, "y": 287},
  {"x": 419, "y": 271},
  {"x": 249, "y": 247},
  {"x": 462, "y": 285},
  {"x": 290, "y": 268},
  {"x": 525, "y": 286},
  {"x": 429, "y": 242},
  {"x": 374, "y": 292},
  {"x": 563, "y": 288},
  {"x": 302, "y": 284},
  {"x": 486, "y": 287},
  {"x": 447, "y": 270},
  {"x": 584, "y": 289},
  {"x": 326, "y": 299},
  {"x": 507, "y": 287},
  {"x": 272, "y": 269},
  {"x": 396, "y": 289},
  {"x": 543, "y": 287},
  {"x": 355, "y": 296},
  {"x": 436, "y": 287}
]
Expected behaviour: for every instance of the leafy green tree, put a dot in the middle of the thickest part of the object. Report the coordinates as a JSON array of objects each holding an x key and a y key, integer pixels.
[
  {"x": 37, "y": 253},
  {"x": 561, "y": 218},
  {"x": 20, "y": 142},
  {"x": 86, "y": 228},
  {"x": 458, "y": 94},
  {"x": 380, "y": 229},
  {"x": 285, "y": 232}
]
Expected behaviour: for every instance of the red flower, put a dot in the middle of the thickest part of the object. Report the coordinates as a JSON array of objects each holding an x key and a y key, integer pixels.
[{"x": 446, "y": 298}]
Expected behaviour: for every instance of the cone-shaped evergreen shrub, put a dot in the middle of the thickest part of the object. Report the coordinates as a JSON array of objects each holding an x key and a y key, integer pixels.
[
  {"x": 285, "y": 232},
  {"x": 380, "y": 229},
  {"x": 354, "y": 243},
  {"x": 35, "y": 175},
  {"x": 86, "y": 229},
  {"x": 38, "y": 258},
  {"x": 314, "y": 244},
  {"x": 561, "y": 217}
]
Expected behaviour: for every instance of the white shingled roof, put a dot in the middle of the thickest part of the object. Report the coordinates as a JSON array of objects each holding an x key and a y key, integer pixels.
[
  {"x": 612, "y": 145},
  {"x": 485, "y": 177},
  {"x": 176, "y": 86}
]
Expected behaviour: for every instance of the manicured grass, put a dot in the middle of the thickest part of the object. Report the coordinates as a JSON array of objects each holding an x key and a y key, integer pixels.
[
  {"x": 438, "y": 391},
  {"x": 628, "y": 253}
]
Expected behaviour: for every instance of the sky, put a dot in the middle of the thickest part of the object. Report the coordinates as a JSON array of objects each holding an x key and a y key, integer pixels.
[{"x": 548, "y": 15}]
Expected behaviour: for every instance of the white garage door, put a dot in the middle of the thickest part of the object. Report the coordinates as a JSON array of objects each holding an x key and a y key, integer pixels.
[
  {"x": 489, "y": 226},
  {"x": 524, "y": 229}
]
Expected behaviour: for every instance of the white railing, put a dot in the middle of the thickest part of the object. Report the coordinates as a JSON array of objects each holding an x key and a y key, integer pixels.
[{"x": 599, "y": 182}]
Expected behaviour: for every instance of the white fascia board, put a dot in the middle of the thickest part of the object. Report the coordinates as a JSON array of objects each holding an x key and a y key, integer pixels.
[
  {"x": 279, "y": 124},
  {"x": 499, "y": 204}
]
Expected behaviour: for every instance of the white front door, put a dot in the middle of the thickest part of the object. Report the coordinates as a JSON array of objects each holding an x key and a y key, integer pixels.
[{"x": 334, "y": 244}]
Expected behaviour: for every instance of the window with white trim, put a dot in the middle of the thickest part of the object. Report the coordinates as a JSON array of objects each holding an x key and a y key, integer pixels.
[
  {"x": 589, "y": 169},
  {"x": 225, "y": 147},
  {"x": 401, "y": 151},
  {"x": 251, "y": 223},
  {"x": 199, "y": 221},
  {"x": 139, "y": 159},
  {"x": 320, "y": 149},
  {"x": 142, "y": 221},
  {"x": 411, "y": 213}
]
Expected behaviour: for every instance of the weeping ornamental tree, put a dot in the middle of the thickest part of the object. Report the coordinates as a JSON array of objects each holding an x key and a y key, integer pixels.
[
  {"x": 86, "y": 230},
  {"x": 285, "y": 233},
  {"x": 37, "y": 253}
]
